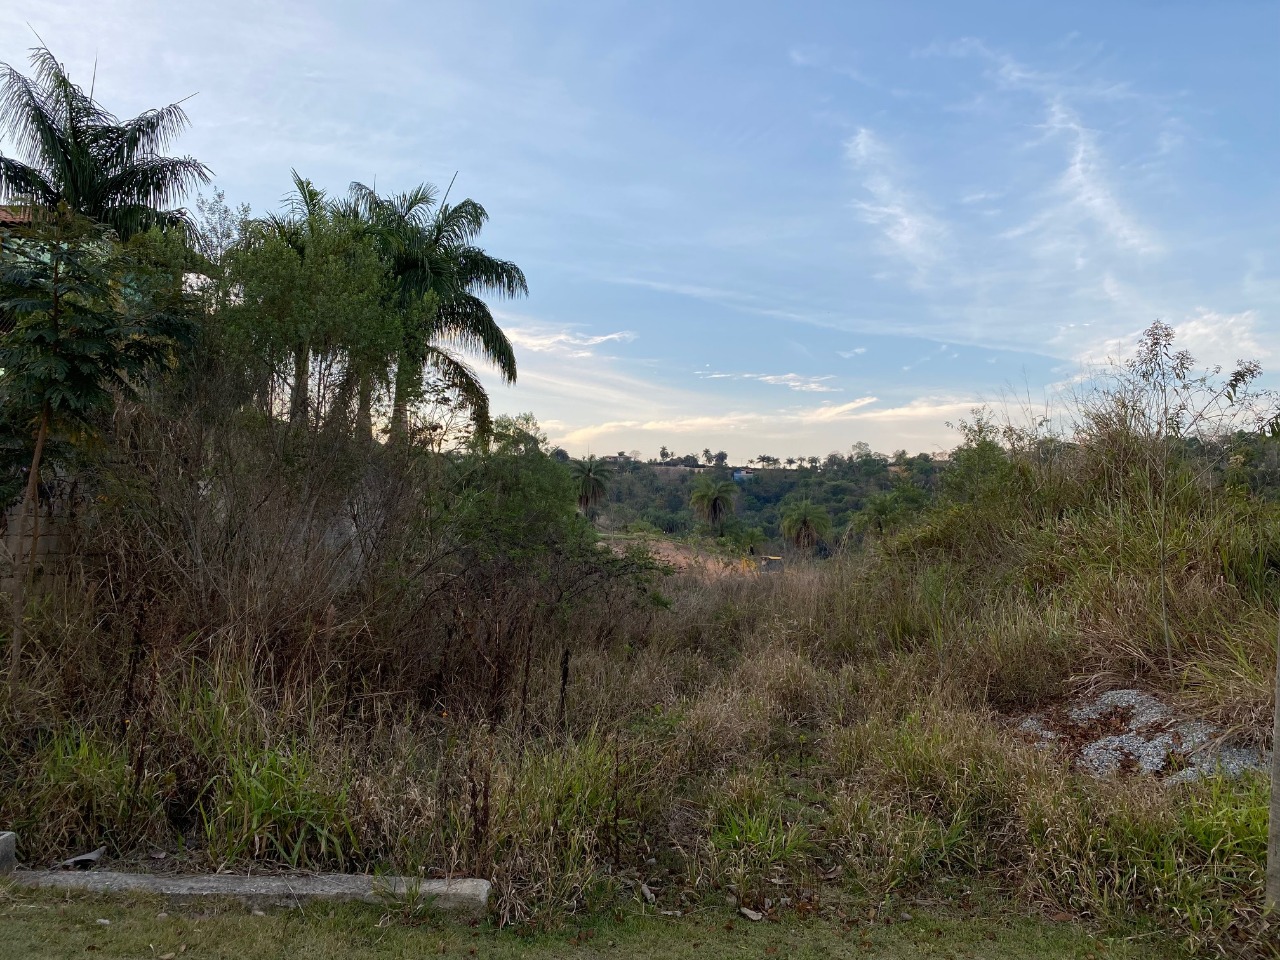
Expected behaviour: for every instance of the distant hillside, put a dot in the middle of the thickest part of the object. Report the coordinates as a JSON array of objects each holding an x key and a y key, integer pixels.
[
  {"x": 642, "y": 495},
  {"x": 862, "y": 492}
]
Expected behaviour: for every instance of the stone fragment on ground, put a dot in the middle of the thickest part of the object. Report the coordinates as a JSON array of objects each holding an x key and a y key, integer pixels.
[{"x": 1129, "y": 731}]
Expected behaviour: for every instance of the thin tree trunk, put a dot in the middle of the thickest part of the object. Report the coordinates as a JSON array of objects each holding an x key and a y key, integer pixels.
[
  {"x": 1273, "y": 827},
  {"x": 364, "y": 409},
  {"x": 25, "y": 567},
  {"x": 299, "y": 397}
]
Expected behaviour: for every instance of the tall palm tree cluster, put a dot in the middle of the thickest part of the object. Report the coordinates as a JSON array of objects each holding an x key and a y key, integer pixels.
[
  {"x": 343, "y": 301},
  {"x": 390, "y": 299},
  {"x": 328, "y": 302}
]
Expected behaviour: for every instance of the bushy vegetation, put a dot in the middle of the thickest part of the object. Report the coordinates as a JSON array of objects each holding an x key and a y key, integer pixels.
[
  {"x": 284, "y": 640},
  {"x": 299, "y": 650}
]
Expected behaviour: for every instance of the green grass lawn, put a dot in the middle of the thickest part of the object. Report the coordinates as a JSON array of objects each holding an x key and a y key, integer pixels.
[{"x": 34, "y": 926}]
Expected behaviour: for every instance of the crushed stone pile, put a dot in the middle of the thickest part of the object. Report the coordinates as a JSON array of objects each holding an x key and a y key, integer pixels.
[{"x": 1131, "y": 732}]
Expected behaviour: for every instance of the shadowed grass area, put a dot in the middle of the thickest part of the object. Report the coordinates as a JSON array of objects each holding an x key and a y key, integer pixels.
[{"x": 44, "y": 927}]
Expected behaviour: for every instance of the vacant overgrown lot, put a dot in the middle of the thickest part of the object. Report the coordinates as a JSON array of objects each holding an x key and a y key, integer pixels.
[{"x": 286, "y": 650}]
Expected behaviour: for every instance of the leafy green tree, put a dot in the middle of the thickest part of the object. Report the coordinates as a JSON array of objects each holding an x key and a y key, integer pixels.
[
  {"x": 887, "y": 510},
  {"x": 805, "y": 524},
  {"x": 311, "y": 284},
  {"x": 721, "y": 458},
  {"x": 590, "y": 478},
  {"x": 89, "y": 324},
  {"x": 74, "y": 152},
  {"x": 713, "y": 501},
  {"x": 664, "y": 454}
]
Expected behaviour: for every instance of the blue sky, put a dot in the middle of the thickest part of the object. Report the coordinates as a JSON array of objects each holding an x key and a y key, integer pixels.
[{"x": 766, "y": 227}]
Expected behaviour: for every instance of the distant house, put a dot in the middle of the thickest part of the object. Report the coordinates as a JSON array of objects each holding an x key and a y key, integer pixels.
[{"x": 743, "y": 473}]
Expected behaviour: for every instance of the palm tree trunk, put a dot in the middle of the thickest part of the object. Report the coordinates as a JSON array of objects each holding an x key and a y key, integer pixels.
[
  {"x": 364, "y": 409},
  {"x": 24, "y": 568},
  {"x": 406, "y": 382},
  {"x": 299, "y": 396}
]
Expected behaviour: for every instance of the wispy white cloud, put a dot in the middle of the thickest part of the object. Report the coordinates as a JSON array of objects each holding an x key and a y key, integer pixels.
[
  {"x": 813, "y": 57},
  {"x": 916, "y": 421},
  {"x": 793, "y": 381},
  {"x": 942, "y": 351},
  {"x": 772, "y": 424},
  {"x": 1007, "y": 72},
  {"x": 855, "y": 352},
  {"x": 565, "y": 342},
  {"x": 1083, "y": 197},
  {"x": 910, "y": 229}
]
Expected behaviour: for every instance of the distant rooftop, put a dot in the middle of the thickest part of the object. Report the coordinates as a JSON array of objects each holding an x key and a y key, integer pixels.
[{"x": 13, "y": 215}]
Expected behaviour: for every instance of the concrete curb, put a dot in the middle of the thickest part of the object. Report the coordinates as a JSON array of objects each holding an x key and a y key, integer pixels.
[
  {"x": 465, "y": 897},
  {"x": 8, "y": 852}
]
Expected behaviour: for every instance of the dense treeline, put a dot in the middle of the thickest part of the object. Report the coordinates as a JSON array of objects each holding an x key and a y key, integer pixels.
[
  {"x": 864, "y": 494},
  {"x": 863, "y": 491}
]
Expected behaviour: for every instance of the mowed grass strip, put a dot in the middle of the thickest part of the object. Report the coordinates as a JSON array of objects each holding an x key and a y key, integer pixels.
[{"x": 42, "y": 926}]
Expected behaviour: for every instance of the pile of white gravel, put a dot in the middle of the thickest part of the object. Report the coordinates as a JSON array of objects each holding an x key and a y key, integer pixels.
[{"x": 1152, "y": 738}]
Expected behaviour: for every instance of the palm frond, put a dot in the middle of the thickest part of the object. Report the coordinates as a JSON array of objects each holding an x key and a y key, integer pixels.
[
  {"x": 462, "y": 381},
  {"x": 30, "y": 119},
  {"x": 468, "y": 323},
  {"x": 149, "y": 132},
  {"x": 155, "y": 181},
  {"x": 21, "y": 182},
  {"x": 479, "y": 272},
  {"x": 307, "y": 200},
  {"x": 458, "y": 224}
]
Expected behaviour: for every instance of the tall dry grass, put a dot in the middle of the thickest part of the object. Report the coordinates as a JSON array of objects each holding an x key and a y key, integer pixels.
[{"x": 296, "y": 654}]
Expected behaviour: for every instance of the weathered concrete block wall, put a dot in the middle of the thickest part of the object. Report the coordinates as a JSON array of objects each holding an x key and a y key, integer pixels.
[{"x": 54, "y": 546}]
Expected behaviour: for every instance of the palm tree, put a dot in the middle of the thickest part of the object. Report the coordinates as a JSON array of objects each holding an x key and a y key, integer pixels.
[
  {"x": 75, "y": 152},
  {"x": 589, "y": 478},
  {"x": 307, "y": 214},
  {"x": 713, "y": 500},
  {"x": 805, "y": 523},
  {"x": 707, "y": 456},
  {"x": 439, "y": 275}
]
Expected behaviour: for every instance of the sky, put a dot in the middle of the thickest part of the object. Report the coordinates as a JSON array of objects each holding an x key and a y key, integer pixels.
[{"x": 764, "y": 227}]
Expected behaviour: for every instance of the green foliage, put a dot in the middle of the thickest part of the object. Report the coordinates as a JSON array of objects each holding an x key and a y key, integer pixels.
[
  {"x": 589, "y": 479},
  {"x": 88, "y": 321},
  {"x": 713, "y": 500},
  {"x": 270, "y": 805},
  {"x": 81, "y": 791},
  {"x": 805, "y": 524},
  {"x": 438, "y": 276},
  {"x": 661, "y": 494},
  {"x": 91, "y": 322}
]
